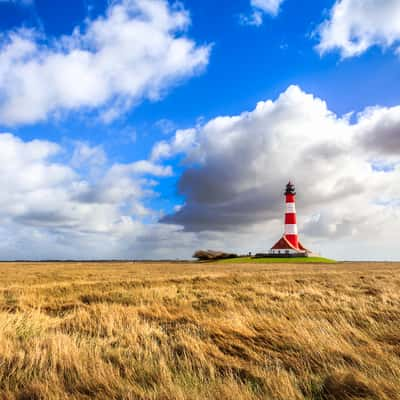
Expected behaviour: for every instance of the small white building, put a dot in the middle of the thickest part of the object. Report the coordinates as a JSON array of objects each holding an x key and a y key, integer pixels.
[{"x": 284, "y": 247}]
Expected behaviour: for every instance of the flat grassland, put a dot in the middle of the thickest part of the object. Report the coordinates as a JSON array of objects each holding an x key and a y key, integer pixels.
[
  {"x": 199, "y": 331},
  {"x": 296, "y": 260}
]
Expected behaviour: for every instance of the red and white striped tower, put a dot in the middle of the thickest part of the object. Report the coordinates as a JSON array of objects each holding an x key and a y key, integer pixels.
[
  {"x": 289, "y": 244},
  {"x": 291, "y": 232}
]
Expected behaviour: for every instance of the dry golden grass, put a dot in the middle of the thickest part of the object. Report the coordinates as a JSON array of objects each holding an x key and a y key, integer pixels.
[{"x": 199, "y": 331}]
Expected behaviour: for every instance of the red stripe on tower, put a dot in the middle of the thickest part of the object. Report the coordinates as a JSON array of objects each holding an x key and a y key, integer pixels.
[{"x": 291, "y": 233}]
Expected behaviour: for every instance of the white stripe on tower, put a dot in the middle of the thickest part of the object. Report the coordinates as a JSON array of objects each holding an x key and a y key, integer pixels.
[
  {"x": 291, "y": 208},
  {"x": 291, "y": 229}
]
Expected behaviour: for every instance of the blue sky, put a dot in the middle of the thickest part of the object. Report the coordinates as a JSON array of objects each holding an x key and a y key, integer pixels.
[{"x": 236, "y": 61}]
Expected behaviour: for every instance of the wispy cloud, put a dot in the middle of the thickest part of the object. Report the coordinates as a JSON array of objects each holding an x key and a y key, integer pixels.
[{"x": 259, "y": 9}]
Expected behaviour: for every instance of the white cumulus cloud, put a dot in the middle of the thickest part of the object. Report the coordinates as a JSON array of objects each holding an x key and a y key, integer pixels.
[
  {"x": 54, "y": 209},
  {"x": 356, "y": 25},
  {"x": 79, "y": 205},
  {"x": 238, "y": 166},
  {"x": 136, "y": 51}
]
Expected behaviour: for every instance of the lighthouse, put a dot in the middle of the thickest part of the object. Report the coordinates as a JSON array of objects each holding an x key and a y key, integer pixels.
[
  {"x": 289, "y": 245},
  {"x": 291, "y": 232}
]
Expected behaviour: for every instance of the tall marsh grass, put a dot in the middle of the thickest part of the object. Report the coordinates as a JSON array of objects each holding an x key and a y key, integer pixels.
[{"x": 199, "y": 331}]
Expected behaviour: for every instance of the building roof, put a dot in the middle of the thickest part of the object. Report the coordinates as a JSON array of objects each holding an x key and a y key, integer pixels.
[
  {"x": 284, "y": 244},
  {"x": 301, "y": 247}
]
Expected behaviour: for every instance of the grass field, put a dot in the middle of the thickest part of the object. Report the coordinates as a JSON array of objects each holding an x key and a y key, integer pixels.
[
  {"x": 199, "y": 331},
  {"x": 296, "y": 260}
]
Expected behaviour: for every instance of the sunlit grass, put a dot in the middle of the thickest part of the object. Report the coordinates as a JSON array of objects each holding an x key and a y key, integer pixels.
[
  {"x": 199, "y": 331},
  {"x": 295, "y": 260}
]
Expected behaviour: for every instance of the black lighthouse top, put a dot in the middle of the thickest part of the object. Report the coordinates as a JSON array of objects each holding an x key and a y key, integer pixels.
[{"x": 290, "y": 189}]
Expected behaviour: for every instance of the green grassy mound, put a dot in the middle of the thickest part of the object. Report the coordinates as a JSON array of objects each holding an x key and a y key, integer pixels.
[{"x": 294, "y": 260}]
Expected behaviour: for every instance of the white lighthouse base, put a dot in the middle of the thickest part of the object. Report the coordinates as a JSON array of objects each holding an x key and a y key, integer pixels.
[
  {"x": 283, "y": 255},
  {"x": 286, "y": 252},
  {"x": 283, "y": 248}
]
